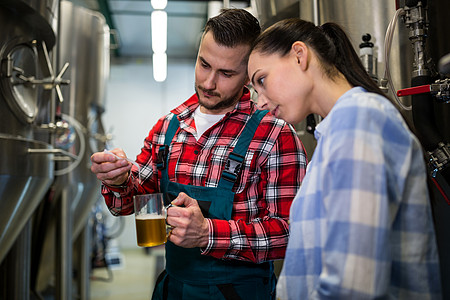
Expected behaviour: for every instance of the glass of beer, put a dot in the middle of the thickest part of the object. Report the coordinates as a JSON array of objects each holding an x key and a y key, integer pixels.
[{"x": 150, "y": 215}]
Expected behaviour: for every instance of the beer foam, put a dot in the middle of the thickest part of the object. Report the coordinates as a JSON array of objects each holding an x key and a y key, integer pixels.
[{"x": 149, "y": 217}]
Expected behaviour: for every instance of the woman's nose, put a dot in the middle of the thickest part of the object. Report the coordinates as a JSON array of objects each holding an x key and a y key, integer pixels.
[{"x": 261, "y": 102}]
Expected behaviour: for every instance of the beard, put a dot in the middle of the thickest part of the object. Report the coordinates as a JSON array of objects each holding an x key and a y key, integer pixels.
[{"x": 224, "y": 103}]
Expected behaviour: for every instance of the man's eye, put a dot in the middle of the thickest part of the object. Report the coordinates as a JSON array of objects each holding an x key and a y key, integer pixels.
[{"x": 228, "y": 75}]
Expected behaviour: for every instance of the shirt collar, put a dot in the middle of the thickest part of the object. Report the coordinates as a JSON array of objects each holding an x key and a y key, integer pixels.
[{"x": 323, "y": 125}]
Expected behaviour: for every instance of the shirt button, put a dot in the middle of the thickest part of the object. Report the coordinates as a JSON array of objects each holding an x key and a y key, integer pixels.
[{"x": 195, "y": 151}]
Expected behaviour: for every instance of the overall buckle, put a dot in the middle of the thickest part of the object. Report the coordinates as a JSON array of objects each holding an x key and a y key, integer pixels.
[
  {"x": 162, "y": 157},
  {"x": 233, "y": 167}
]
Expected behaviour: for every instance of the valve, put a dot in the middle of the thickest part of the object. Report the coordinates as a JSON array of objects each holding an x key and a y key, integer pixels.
[
  {"x": 49, "y": 82},
  {"x": 440, "y": 89},
  {"x": 416, "y": 19},
  {"x": 368, "y": 60}
]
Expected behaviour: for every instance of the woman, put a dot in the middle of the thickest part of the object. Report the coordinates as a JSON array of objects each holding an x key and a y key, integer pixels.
[{"x": 361, "y": 224}]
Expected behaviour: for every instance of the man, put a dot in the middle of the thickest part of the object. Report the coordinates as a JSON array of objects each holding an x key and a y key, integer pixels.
[{"x": 231, "y": 170}]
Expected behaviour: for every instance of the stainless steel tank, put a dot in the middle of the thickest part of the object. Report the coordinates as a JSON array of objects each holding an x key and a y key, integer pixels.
[
  {"x": 24, "y": 179},
  {"x": 357, "y": 18},
  {"x": 26, "y": 151},
  {"x": 271, "y": 11},
  {"x": 373, "y": 17},
  {"x": 83, "y": 42},
  {"x": 25, "y": 172}
]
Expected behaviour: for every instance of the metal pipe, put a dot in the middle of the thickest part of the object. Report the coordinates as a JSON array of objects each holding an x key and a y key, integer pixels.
[
  {"x": 52, "y": 151},
  {"x": 84, "y": 262},
  {"x": 316, "y": 15},
  {"x": 63, "y": 255}
]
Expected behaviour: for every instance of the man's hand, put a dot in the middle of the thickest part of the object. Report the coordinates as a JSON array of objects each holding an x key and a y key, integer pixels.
[
  {"x": 109, "y": 169},
  {"x": 191, "y": 229}
]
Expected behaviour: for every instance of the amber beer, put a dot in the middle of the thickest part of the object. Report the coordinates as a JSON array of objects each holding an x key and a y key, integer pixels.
[{"x": 150, "y": 230}]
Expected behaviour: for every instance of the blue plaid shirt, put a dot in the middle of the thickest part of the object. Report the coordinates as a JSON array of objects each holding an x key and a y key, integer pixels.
[{"x": 361, "y": 223}]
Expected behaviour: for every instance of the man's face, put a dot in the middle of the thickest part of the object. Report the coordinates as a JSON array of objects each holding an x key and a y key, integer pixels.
[{"x": 220, "y": 75}]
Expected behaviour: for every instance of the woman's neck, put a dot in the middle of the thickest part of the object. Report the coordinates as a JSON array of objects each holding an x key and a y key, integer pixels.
[{"x": 328, "y": 91}]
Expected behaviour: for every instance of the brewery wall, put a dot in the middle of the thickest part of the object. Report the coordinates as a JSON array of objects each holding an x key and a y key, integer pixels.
[{"x": 135, "y": 101}]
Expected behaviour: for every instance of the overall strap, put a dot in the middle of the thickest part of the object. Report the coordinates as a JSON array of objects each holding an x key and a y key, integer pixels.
[
  {"x": 163, "y": 152},
  {"x": 235, "y": 159}
]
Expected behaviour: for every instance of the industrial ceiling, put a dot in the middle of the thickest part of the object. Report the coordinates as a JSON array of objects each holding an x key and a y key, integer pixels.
[{"x": 130, "y": 19}]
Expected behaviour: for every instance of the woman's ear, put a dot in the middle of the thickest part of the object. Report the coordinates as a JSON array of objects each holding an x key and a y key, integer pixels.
[{"x": 300, "y": 51}]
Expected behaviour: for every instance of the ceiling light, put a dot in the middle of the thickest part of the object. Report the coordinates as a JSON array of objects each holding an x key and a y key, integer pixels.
[
  {"x": 159, "y": 4},
  {"x": 159, "y": 66},
  {"x": 159, "y": 40},
  {"x": 159, "y": 31}
]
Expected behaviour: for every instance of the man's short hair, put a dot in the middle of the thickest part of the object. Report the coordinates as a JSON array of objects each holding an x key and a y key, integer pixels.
[{"x": 233, "y": 27}]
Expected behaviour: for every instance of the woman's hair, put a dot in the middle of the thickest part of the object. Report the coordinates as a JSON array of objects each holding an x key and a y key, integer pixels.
[
  {"x": 233, "y": 27},
  {"x": 329, "y": 42}
]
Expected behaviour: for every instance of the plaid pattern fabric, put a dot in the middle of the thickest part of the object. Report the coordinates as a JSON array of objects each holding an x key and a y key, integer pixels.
[
  {"x": 361, "y": 224},
  {"x": 271, "y": 174}
]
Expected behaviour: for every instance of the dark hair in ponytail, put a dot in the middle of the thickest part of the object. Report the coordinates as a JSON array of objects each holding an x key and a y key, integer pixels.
[{"x": 329, "y": 42}]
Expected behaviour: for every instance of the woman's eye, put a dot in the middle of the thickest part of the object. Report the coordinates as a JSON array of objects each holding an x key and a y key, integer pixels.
[{"x": 260, "y": 81}]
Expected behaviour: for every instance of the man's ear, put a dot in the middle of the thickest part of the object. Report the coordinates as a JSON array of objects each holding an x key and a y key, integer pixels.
[{"x": 301, "y": 53}]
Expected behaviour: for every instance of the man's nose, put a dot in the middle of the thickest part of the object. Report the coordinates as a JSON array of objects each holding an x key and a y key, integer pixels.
[{"x": 210, "y": 82}]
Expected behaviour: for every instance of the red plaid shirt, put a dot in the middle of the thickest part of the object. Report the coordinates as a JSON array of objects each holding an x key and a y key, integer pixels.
[{"x": 273, "y": 169}]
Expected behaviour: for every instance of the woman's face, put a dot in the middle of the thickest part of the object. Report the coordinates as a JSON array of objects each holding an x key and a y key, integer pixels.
[{"x": 281, "y": 84}]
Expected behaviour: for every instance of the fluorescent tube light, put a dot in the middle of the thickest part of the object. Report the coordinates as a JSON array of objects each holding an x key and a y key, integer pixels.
[
  {"x": 159, "y": 66},
  {"x": 159, "y": 4},
  {"x": 159, "y": 31}
]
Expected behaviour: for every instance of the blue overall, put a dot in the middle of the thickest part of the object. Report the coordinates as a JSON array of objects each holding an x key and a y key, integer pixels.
[{"x": 190, "y": 275}]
